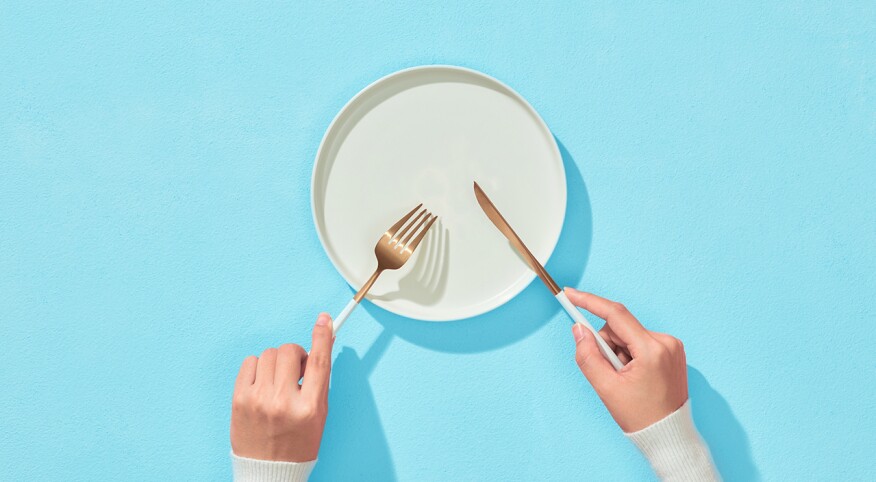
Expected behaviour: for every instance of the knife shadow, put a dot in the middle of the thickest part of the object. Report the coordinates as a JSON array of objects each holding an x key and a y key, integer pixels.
[
  {"x": 426, "y": 283},
  {"x": 526, "y": 312}
]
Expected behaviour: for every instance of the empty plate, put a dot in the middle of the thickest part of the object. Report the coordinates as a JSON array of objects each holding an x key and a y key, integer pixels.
[{"x": 423, "y": 135}]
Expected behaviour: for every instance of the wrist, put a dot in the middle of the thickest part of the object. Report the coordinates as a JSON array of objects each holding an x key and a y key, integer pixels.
[
  {"x": 674, "y": 447},
  {"x": 254, "y": 470}
]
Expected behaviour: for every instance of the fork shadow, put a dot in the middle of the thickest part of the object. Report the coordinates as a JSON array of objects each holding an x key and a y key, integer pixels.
[
  {"x": 426, "y": 282},
  {"x": 514, "y": 320},
  {"x": 355, "y": 446}
]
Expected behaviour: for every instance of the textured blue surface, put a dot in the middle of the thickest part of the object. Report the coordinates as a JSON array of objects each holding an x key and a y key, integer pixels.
[{"x": 155, "y": 228}]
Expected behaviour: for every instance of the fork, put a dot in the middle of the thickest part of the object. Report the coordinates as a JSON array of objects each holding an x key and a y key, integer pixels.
[{"x": 393, "y": 249}]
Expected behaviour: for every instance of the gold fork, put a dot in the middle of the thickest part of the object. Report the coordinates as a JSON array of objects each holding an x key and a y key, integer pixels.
[{"x": 393, "y": 249}]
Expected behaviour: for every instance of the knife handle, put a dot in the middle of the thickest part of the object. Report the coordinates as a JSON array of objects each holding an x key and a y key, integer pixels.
[{"x": 576, "y": 315}]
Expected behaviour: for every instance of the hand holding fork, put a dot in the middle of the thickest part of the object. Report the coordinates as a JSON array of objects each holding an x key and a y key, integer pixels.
[{"x": 393, "y": 249}]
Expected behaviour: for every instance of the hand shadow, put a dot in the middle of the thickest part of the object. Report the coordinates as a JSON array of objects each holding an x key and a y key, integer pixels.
[
  {"x": 517, "y": 318},
  {"x": 354, "y": 445},
  {"x": 726, "y": 437}
]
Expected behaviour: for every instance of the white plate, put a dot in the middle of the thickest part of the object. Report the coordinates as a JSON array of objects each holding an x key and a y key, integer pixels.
[{"x": 423, "y": 135}]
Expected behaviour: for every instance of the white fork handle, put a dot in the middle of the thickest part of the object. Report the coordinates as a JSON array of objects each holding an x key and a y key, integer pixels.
[
  {"x": 576, "y": 315},
  {"x": 338, "y": 322}
]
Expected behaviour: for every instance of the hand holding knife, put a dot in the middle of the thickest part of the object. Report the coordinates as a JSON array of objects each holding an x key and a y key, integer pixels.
[{"x": 505, "y": 228}]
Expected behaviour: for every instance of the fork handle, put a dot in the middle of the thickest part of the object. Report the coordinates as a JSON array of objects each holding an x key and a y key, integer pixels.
[
  {"x": 339, "y": 321},
  {"x": 367, "y": 286},
  {"x": 341, "y": 318}
]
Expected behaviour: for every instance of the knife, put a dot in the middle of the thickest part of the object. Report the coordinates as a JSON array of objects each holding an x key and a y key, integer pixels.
[{"x": 505, "y": 228}]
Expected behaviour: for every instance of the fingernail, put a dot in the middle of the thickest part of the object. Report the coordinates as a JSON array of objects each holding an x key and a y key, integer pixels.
[
  {"x": 323, "y": 319},
  {"x": 578, "y": 332}
]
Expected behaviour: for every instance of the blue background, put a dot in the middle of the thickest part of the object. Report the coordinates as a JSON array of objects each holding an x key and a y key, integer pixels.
[{"x": 155, "y": 229}]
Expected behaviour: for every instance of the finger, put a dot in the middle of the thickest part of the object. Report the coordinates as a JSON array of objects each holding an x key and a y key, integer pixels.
[
  {"x": 664, "y": 339},
  {"x": 614, "y": 339},
  {"x": 672, "y": 343},
  {"x": 618, "y": 347},
  {"x": 290, "y": 358},
  {"x": 247, "y": 374},
  {"x": 319, "y": 362},
  {"x": 265, "y": 370},
  {"x": 592, "y": 363},
  {"x": 622, "y": 322},
  {"x": 606, "y": 335}
]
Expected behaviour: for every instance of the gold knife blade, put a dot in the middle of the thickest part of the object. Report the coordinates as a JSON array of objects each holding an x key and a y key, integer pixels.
[{"x": 506, "y": 229}]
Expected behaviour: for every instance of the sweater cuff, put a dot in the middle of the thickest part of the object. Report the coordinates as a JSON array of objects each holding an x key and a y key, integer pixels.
[
  {"x": 674, "y": 448},
  {"x": 254, "y": 470}
]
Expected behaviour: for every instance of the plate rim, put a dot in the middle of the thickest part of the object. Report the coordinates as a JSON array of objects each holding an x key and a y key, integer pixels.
[{"x": 512, "y": 290}]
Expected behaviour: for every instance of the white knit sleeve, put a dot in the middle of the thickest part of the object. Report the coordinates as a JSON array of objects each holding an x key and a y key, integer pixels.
[
  {"x": 675, "y": 449},
  {"x": 254, "y": 470}
]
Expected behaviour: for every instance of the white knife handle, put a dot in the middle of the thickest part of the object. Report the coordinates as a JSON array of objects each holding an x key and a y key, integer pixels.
[
  {"x": 338, "y": 322},
  {"x": 576, "y": 315}
]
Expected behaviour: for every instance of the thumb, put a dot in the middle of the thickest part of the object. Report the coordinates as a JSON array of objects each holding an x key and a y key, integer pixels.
[
  {"x": 592, "y": 363},
  {"x": 319, "y": 362}
]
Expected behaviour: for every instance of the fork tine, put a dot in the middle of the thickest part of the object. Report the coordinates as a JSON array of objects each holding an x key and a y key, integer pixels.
[
  {"x": 396, "y": 238},
  {"x": 412, "y": 246},
  {"x": 392, "y": 230},
  {"x": 422, "y": 235},
  {"x": 410, "y": 235}
]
